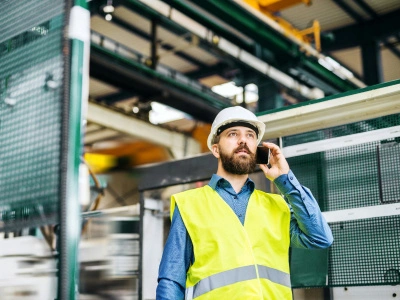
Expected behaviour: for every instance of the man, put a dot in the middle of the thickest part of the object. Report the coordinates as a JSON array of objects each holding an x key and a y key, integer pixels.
[{"x": 229, "y": 240}]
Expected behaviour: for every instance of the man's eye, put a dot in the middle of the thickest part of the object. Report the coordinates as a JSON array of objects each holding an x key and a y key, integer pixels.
[
  {"x": 250, "y": 135},
  {"x": 232, "y": 134}
]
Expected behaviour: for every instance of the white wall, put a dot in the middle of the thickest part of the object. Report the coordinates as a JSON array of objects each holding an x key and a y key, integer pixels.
[{"x": 152, "y": 246}]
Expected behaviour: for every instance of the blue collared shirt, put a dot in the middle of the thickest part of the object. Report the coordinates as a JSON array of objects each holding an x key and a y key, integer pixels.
[{"x": 308, "y": 229}]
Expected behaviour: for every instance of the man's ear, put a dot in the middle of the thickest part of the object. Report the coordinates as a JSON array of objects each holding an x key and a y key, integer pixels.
[{"x": 215, "y": 150}]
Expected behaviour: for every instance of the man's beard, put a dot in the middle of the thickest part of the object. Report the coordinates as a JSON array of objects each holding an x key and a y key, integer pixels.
[{"x": 236, "y": 164}]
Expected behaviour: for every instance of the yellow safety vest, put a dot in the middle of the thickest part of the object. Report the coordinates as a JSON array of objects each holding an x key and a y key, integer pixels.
[{"x": 233, "y": 261}]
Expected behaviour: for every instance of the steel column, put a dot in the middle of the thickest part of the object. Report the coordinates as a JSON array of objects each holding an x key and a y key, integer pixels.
[{"x": 371, "y": 63}]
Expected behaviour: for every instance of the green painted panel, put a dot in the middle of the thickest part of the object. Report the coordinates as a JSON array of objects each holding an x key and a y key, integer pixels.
[{"x": 309, "y": 268}]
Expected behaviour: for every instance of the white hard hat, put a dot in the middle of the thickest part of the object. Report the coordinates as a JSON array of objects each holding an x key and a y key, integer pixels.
[{"x": 235, "y": 114}]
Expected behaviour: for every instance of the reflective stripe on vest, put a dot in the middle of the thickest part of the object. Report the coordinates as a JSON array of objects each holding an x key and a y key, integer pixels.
[{"x": 236, "y": 275}]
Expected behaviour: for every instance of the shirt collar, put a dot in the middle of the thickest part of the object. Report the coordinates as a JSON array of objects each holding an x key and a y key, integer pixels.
[{"x": 222, "y": 182}]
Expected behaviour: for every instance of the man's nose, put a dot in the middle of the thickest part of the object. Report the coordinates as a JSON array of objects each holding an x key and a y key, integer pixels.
[{"x": 242, "y": 139}]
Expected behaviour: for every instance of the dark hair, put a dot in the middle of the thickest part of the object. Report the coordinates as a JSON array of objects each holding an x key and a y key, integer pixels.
[{"x": 215, "y": 139}]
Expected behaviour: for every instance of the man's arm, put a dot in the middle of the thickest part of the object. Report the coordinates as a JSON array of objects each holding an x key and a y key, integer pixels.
[
  {"x": 308, "y": 227},
  {"x": 176, "y": 259}
]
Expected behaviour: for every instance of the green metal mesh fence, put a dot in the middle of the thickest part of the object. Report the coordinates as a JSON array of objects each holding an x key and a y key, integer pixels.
[
  {"x": 354, "y": 176},
  {"x": 389, "y": 171},
  {"x": 365, "y": 251},
  {"x": 31, "y": 83}
]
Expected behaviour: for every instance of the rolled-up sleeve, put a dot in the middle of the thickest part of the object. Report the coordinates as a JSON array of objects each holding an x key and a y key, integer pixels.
[{"x": 308, "y": 227}]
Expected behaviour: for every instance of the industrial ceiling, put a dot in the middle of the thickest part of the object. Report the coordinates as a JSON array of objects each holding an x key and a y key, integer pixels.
[{"x": 173, "y": 52}]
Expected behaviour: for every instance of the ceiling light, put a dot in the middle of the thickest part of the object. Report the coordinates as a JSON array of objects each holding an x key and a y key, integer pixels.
[
  {"x": 161, "y": 113},
  {"x": 108, "y": 17},
  {"x": 109, "y": 8}
]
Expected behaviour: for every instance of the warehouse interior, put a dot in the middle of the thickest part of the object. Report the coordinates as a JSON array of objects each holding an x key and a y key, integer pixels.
[
  {"x": 89, "y": 163},
  {"x": 279, "y": 71}
]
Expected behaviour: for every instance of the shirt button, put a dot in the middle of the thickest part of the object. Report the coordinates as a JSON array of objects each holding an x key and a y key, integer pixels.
[
  {"x": 291, "y": 178},
  {"x": 240, "y": 215},
  {"x": 284, "y": 182},
  {"x": 234, "y": 197}
]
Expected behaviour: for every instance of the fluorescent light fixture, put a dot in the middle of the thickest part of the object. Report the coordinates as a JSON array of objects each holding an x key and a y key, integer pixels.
[
  {"x": 333, "y": 66},
  {"x": 324, "y": 63},
  {"x": 230, "y": 90},
  {"x": 161, "y": 113}
]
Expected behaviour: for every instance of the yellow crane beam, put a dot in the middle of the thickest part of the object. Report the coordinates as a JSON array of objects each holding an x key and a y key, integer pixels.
[
  {"x": 271, "y": 7},
  {"x": 278, "y": 5}
]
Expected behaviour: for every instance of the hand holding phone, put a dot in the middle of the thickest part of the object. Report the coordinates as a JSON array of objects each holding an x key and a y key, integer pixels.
[{"x": 262, "y": 155}]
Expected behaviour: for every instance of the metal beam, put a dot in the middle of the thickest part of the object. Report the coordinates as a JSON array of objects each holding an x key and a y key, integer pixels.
[
  {"x": 120, "y": 122},
  {"x": 223, "y": 69},
  {"x": 153, "y": 45},
  {"x": 133, "y": 76},
  {"x": 154, "y": 177},
  {"x": 392, "y": 48},
  {"x": 368, "y": 9},
  {"x": 147, "y": 37},
  {"x": 368, "y": 103},
  {"x": 257, "y": 30},
  {"x": 166, "y": 22},
  {"x": 371, "y": 62},
  {"x": 245, "y": 58},
  {"x": 357, "y": 34},
  {"x": 178, "y": 29},
  {"x": 350, "y": 11},
  {"x": 116, "y": 97}
]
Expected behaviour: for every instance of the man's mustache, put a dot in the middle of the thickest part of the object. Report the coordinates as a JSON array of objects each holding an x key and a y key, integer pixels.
[{"x": 243, "y": 147}]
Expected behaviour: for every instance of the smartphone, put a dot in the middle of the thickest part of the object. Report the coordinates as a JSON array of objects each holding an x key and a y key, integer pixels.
[{"x": 262, "y": 155}]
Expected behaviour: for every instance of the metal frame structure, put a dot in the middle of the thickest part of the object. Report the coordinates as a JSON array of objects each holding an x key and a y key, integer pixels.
[
  {"x": 363, "y": 104},
  {"x": 65, "y": 26},
  {"x": 75, "y": 94}
]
